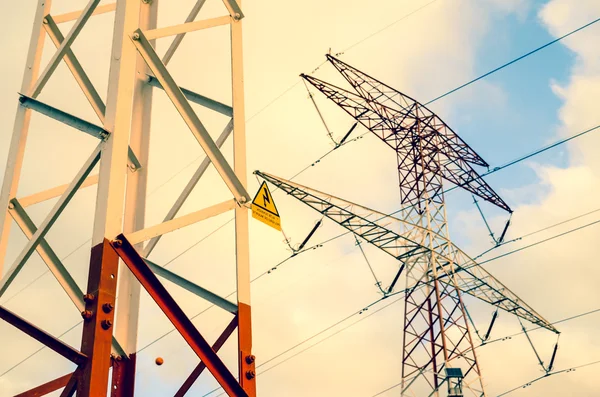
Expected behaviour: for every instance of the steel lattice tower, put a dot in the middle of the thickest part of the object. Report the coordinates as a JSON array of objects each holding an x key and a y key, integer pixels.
[
  {"x": 436, "y": 330},
  {"x": 118, "y": 251}
]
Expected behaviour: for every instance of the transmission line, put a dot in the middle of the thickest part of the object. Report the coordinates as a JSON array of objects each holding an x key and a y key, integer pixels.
[
  {"x": 397, "y": 293},
  {"x": 513, "y": 61}
]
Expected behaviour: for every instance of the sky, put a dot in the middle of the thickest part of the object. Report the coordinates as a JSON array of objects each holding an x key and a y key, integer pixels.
[{"x": 545, "y": 97}]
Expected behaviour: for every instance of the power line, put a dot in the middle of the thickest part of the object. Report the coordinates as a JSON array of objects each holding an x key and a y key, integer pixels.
[
  {"x": 513, "y": 61},
  {"x": 566, "y": 370},
  {"x": 388, "y": 26},
  {"x": 397, "y": 293}
]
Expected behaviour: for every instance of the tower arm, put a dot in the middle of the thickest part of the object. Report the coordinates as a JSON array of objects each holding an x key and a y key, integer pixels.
[
  {"x": 396, "y": 128},
  {"x": 379, "y": 92},
  {"x": 399, "y": 238}
]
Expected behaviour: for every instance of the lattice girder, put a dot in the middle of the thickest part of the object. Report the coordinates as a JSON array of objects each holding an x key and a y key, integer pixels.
[{"x": 400, "y": 238}]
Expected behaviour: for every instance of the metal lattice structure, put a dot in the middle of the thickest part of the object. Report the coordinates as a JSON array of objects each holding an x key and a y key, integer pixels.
[
  {"x": 428, "y": 152},
  {"x": 123, "y": 132}
]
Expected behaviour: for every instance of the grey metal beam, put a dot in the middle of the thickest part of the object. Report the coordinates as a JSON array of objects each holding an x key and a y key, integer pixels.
[
  {"x": 187, "y": 190},
  {"x": 76, "y": 69},
  {"x": 179, "y": 38},
  {"x": 193, "y": 288},
  {"x": 50, "y": 220},
  {"x": 198, "y": 99},
  {"x": 48, "y": 255},
  {"x": 75, "y": 122},
  {"x": 64, "y": 117}
]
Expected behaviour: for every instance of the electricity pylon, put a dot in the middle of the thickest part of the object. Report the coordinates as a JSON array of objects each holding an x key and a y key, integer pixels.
[
  {"x": 122, "y": 134},
  {"x": 436, "y": 330}
]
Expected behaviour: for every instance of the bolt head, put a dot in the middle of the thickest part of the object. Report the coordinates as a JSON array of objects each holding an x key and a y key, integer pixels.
[
  {"x": 107, "y": 307},
  {"x": 117, "y": 243},
  {"x": 88, "y": 298},
  {"x": 106, "y": 324},
  {"x": 250, "y": 374},
  {"x": 86, "y": 314},
  {"x": 250, "y": 359},
  {"x": 136, "y": 36},
  {"x": 237, "y": 16},
  {"x": 11, "y": 206}
]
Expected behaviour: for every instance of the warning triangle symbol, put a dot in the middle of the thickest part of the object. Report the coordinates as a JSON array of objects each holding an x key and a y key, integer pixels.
[{"x": 264, "y": 200}]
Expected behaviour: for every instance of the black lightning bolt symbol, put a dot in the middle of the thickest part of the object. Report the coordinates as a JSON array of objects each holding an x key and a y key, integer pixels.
[{"x": 266, "y": 198}]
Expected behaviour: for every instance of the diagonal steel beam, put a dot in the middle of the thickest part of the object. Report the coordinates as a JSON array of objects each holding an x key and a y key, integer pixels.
[
  {"x": 189, "y": 116},
  {"x": 189, "y": 187},
  {"x": 198, "y": 99},
  {"x": 192, "y": 287},
  {"x": 182, "y": 323},
  {"x": 51, "y": 193},
  {"x": 50, "y": 220},
  {"x": 189, "y": 382},
  {"x": 76, "y": 69},
  {"x": 64, "y": 47},
  {"x": 43, "y": 337},
  {"x": 187, "y": 27},
  {"x": 48, "y": 255},
  {"x": 47, "y": 387},
  {"x": 182, "y": 221},
  {"x": 73, "y": 15},
  {"x": 234, "y": 9},
  {"x": 179, "y": 38}
]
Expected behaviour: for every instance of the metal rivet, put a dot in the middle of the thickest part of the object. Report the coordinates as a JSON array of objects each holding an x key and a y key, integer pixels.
[
  {"x": 88, "y": 298},
  {"x": 106, "y": 324}
]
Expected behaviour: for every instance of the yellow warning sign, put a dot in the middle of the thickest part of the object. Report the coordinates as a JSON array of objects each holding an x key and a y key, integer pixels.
[{"x": 263, "y": 208}]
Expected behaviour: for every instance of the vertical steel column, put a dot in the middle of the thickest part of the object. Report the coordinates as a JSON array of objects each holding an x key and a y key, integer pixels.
[
  {"x": 247, "y": 373},
  {"x": 127, "y": 315},
  {"x": 108, "y": 221},
  {"x": 12, "y": 173}
]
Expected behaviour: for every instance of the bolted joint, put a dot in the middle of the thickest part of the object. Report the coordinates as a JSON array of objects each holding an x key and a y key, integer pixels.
[
  {"x": 117, "y": 243},
  {"x": 243, "y": 200},
  {"x": 250, "y": 359},
  {"x": 106, "y": 324},
  {"x": 107, "y": 307},
  {"x": 136, "y": 36},
  {"x": 237, "y": 16},
  {"x": 87, "y": 315},
  {"x": 46, "y": 21},
  {"x": 250, "y": 374},
  {"x": 11, "y": 206},
  {"x": 87, "y": 298}
]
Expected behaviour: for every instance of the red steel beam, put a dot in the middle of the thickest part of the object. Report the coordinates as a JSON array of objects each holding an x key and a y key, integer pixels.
[
  {"x": 42, "y": 336},
  {"x": 98, "y": 320},
  {"x": 123, "y": 376},
  {"x": 200, "y": 368},
  {"x": 71, "y": 387},
  {"x": 182, "y": 323},
  {"x": 246, "y": 359},
  {"x": 47, "y": 387}
]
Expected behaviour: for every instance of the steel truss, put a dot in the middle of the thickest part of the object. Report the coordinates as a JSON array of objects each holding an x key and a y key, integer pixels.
[
  {"x": 123, "y": 131},
  {"x": 428, "y": 152}
]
